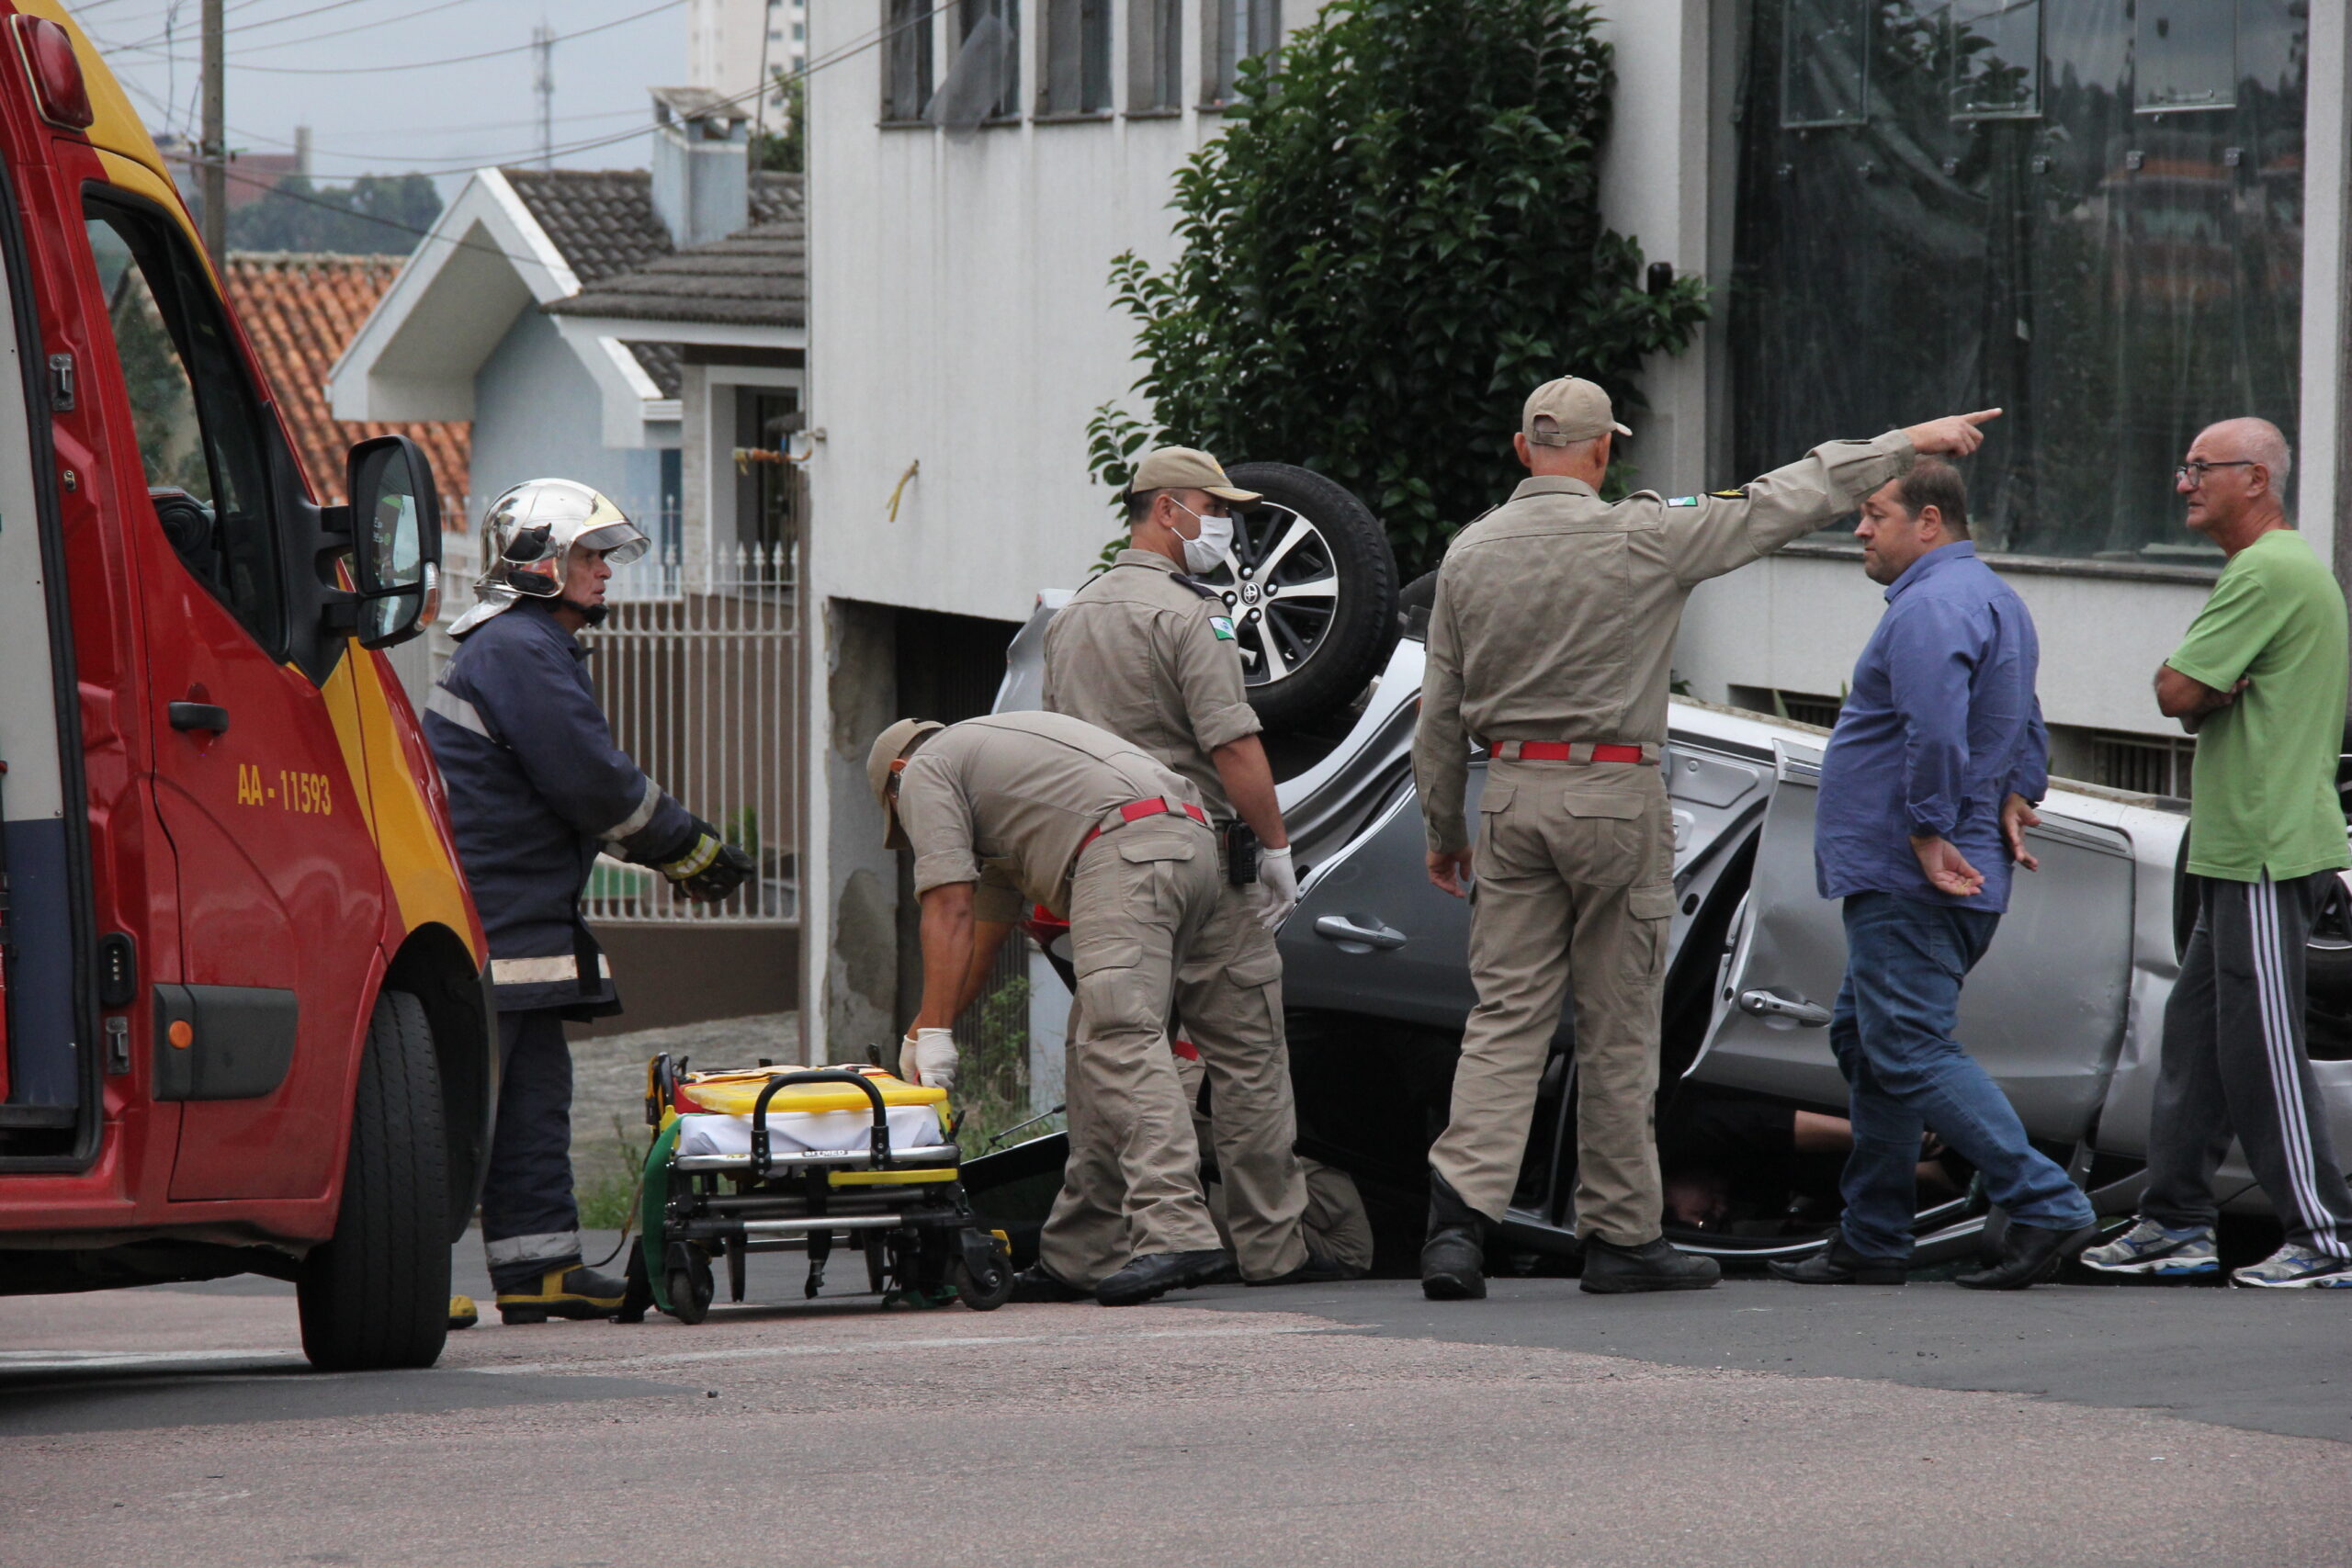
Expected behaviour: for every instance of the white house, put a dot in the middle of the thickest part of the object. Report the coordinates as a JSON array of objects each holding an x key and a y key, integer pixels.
[{"x": 2117, "y": 223}]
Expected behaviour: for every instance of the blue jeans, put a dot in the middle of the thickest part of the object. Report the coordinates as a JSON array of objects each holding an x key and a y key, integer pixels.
[{"x": 1893, "y": 1035}]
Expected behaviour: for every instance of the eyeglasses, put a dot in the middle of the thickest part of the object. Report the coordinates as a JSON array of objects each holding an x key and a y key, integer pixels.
[{"x": 2193, "y": 474}]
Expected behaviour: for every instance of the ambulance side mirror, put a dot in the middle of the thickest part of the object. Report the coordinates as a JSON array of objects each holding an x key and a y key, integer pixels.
[{"x": 395, "y": 539}]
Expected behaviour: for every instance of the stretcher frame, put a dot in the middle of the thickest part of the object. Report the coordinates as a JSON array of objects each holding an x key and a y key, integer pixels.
[{"x": 904, "y": 1209}]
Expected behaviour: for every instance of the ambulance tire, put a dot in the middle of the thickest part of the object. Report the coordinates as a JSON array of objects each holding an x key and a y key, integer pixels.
[
  {"x": 1342, "y": 647},
  {"x": 377, "y": 1295}
]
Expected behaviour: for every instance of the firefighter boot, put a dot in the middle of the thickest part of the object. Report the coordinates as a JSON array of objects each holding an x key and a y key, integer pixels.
[
  {"x": 571, "y": 1291},
  {"x": 1453, "y": 1259},
  {"x": 463, "y": 1313}
]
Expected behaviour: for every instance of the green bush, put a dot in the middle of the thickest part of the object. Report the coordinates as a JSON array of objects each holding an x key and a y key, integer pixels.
[{"x": 1398, "y": 238}]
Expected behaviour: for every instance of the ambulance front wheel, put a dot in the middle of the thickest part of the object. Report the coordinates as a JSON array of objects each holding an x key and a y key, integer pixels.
[{"x": 375, "y": 1294}]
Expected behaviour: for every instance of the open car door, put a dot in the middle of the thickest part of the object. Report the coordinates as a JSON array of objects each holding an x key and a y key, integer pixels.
[{"x": 2044, "y": 1012}]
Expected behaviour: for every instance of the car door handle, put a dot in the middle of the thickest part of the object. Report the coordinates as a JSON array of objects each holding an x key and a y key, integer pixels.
[
  {"x": 199, "y": 716},
  {"x": 1340, "y": 929},
  {"x": 1812, "y": 1015}
]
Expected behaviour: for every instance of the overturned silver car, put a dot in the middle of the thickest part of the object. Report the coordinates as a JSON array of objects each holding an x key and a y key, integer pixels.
[{"x": 2064, "y": 1012}]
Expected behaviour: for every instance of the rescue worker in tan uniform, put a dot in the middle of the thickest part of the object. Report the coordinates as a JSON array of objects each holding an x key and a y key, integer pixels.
[
  {"x": 1548, "y": 646},
  {"x": 1146, "y": 651},
  {"x": 1043, "y": 807}
]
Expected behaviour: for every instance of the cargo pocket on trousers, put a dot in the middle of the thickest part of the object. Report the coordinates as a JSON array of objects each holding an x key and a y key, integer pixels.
[
  {"x": 1650, "y": 907},
  {"x": 1606, "y": 847},
  {"x": 1258, "y": 976}
]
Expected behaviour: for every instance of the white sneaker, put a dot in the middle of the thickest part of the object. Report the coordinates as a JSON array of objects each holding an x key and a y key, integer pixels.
[
  {"x": 2294, "y": 1268},
  {"x": 2148, "y": 1249}
]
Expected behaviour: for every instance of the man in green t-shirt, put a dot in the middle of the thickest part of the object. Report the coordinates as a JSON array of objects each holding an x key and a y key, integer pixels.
[{"x": 2260, "y": 681}]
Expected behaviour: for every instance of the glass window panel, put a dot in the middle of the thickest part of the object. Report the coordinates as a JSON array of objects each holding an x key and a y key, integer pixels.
[
  {"x": 906, "y": 76},
  {"x": 1995, "y": 58},
  {"x": 1076, "y": 78},
  {"x": 1826, "y": 52},
  {"x": 2185, "y": 54},
  {"x": 2116, "y": 280},
  {"x": 199, "y": 430},
  {"x": 1236, "y": 31},
  {"x": 1155, "y": 55}
]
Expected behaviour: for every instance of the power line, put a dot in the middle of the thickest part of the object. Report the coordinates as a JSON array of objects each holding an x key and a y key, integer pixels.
[{"x": 416, "y": 64}]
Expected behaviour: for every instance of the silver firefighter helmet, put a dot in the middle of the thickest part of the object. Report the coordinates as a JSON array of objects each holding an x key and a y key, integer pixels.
[{"x": 529, "y": 536}]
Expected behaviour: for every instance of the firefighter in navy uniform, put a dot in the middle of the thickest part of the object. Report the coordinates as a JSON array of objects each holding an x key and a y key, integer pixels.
[{"x": 536, "y": 791}]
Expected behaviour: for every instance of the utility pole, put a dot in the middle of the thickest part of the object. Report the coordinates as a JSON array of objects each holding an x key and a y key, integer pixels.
[
  {"x": 542, "y": 83},
  {"x": 214, "y": 147}
]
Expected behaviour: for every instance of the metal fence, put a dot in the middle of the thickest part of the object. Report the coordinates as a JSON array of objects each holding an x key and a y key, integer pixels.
[{"x": 697, "y": 667}]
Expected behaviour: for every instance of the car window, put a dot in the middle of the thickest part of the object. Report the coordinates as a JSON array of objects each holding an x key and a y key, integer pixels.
[{"x": 200, "y": 437}]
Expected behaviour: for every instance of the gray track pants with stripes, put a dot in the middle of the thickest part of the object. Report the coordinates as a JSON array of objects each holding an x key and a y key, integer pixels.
[{"x": 2234, "y": 1063}]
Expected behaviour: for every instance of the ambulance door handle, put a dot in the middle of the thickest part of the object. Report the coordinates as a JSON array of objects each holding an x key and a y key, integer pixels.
[{"x": 199, "y": 716}]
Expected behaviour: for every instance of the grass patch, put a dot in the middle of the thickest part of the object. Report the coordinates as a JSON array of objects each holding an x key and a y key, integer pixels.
[{"x": 606, "y": 1176}]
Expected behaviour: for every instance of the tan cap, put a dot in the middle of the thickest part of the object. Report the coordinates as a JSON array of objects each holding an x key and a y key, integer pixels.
[
  {"x": 1577, "y": 409},
  {"x": 1183, "y": 468},
  {"x": 888, "y": 747}
]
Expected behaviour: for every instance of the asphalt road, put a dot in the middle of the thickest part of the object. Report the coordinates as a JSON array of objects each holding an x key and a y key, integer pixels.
[{"x": 1356, "y": 1424}]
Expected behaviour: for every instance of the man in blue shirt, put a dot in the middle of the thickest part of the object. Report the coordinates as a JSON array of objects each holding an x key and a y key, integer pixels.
[{"x": 1927, "y": 790}]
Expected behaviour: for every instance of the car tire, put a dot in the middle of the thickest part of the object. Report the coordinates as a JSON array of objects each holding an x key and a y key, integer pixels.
[
  {"x": 1302, "y": 663},
  {"x": 2327, "y": 978},
  {"x": 377, "y": 1295}
]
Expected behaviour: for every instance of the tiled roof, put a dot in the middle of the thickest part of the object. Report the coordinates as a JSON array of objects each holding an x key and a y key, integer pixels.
[
  {"x": 601, "y": 220},
  {"x": 301, "y": 311},
  {"x": 756, "y": 277}
]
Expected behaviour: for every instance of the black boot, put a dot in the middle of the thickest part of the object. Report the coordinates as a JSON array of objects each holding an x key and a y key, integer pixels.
[
  {"x": 1614, "y": 1270},
  {"x": 1453, "y": 1259},
  {"x": 568, "y": 1291},
  {"x": 1039, "y": 1283},
  {"x": 2030, "y": 1254},
  {"x": 1839, "y": 1264},
  {"x": 1158, "y": 1273}
]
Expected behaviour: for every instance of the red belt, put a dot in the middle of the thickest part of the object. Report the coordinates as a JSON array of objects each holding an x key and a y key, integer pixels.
[
  {"x": 1152, "y": 805},
  {"x": 1564, "y": 751}
]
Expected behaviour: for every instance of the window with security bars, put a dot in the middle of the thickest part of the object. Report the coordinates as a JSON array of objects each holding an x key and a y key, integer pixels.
[
  {"x": 1234, "y": 30},
  {"x": 2146, "y": 764},
  {"x": 1074, "y": 74},
  {"x": 906, "y": 59}
]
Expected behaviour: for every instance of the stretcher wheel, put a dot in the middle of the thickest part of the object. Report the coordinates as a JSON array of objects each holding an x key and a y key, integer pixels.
[
  {"x": 983, "y": 1273},
  {"x": 690, "y": 1284},
  {"x": 640, "y": 1294}
]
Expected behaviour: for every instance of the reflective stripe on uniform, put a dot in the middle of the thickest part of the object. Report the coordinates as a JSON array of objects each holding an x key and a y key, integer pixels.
[
  {"x": 543, "y": 971},
  {"x": 635, "y": 820},
  {"x": 532, "y": 1249},
  {"x": 458, "y": 711}
]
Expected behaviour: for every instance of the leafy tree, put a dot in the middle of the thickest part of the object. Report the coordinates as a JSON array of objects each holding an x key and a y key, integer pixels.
[
  {"x": 1396, "y": 238},
  {"x": 374, "y": 214},
  {"x": 784, "y": 149}
]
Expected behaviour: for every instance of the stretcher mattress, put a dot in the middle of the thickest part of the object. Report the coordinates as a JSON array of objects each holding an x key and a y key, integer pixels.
[{"x": 807, "y": 1131}]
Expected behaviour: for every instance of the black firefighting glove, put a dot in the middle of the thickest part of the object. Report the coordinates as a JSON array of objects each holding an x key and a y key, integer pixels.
[{"x": 709, "y": 868}]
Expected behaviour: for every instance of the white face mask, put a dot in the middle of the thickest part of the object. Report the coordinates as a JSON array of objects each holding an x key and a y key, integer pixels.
[{"x": 1207, "y": 552}]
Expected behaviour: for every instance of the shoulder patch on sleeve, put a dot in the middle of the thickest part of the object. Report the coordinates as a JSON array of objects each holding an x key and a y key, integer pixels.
[
  {"x": 1683, "y": 500},
  {"x": 1222, "y": 626}
]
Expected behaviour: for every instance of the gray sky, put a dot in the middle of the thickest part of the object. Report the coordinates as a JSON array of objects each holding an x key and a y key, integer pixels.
[{"x": 447, "y": 119}]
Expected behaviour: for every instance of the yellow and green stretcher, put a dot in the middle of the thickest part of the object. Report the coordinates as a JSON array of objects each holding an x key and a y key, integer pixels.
[{"x": 785, "y": 1159}]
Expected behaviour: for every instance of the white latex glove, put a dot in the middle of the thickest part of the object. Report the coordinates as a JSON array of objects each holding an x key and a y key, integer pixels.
[
  {"x": 928, "y": 1057},
  {"x": 1277, "y": 887}
]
